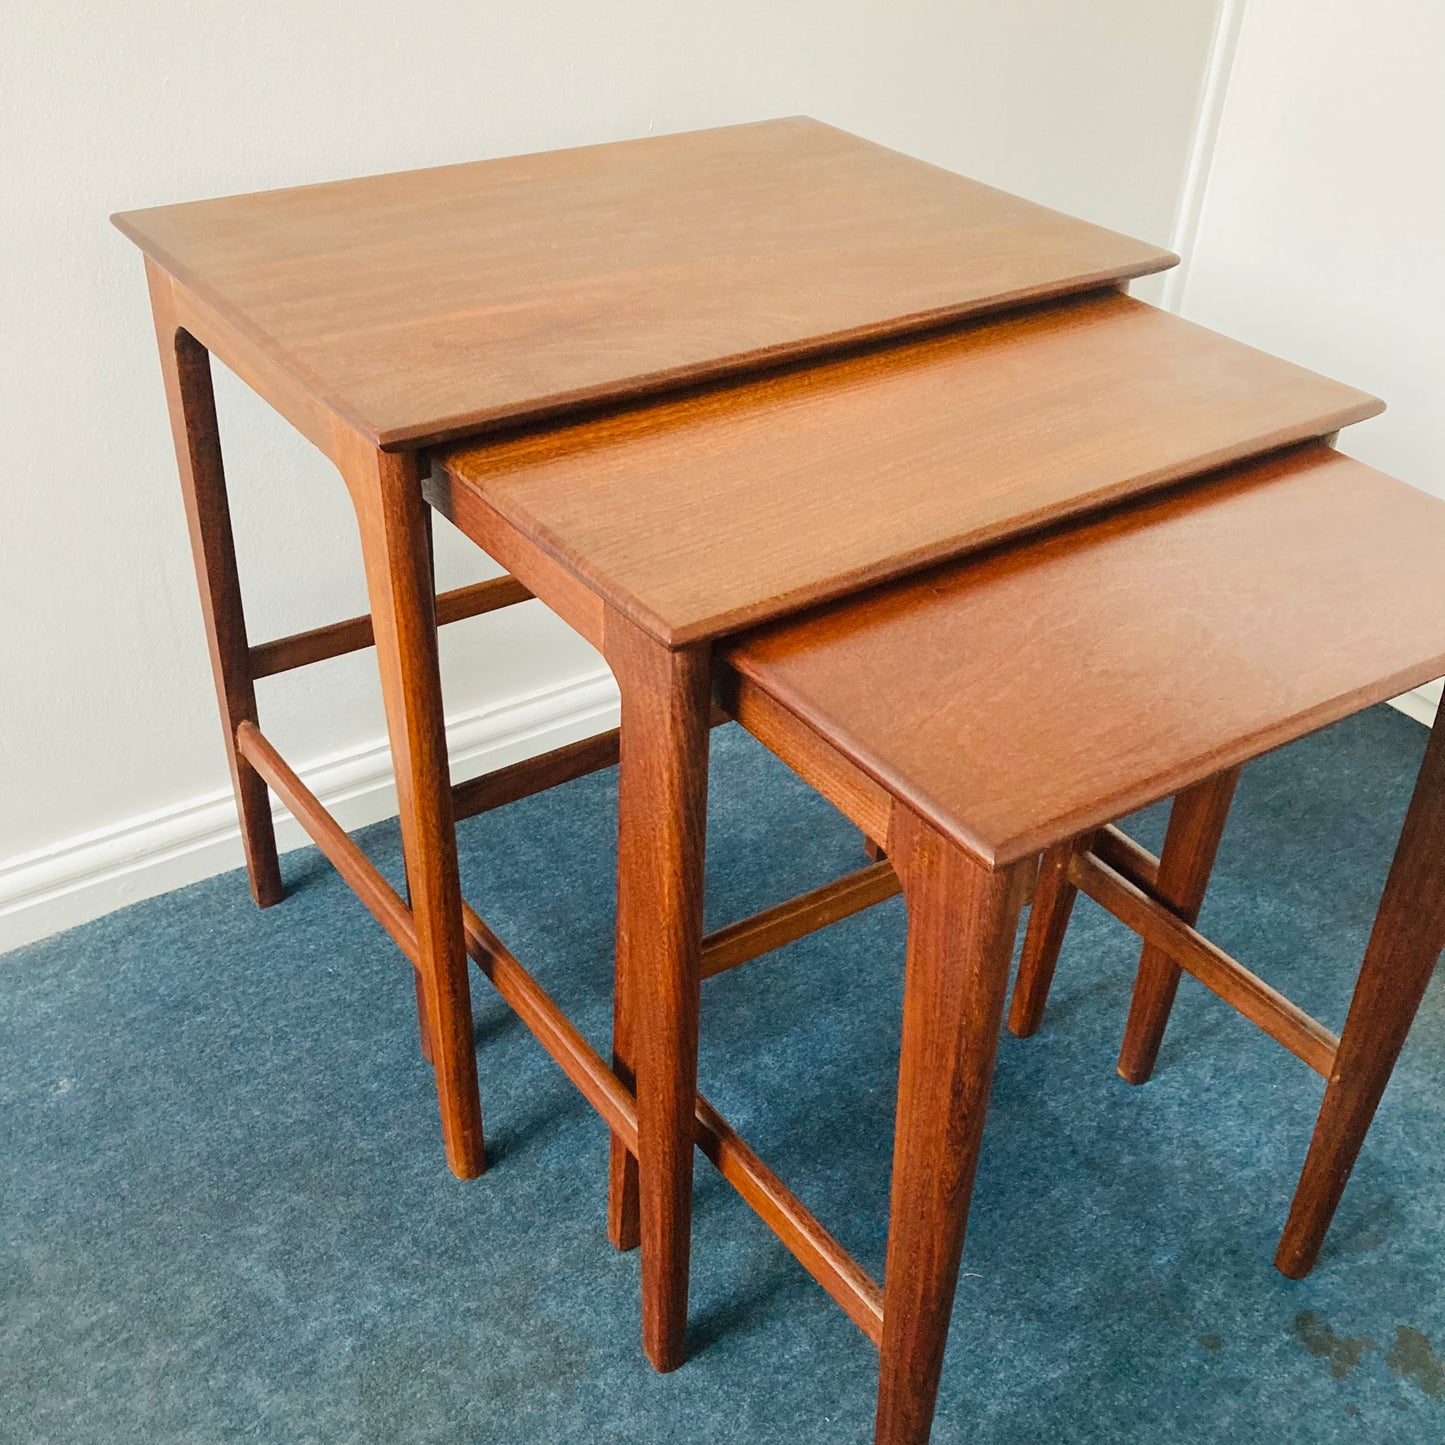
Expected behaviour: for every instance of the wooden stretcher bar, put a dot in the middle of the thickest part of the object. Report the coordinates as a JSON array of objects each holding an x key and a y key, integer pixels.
[
  {"x": 338, "y": 638},
  {"x": 1250, "y": 995},
  {"x": 844, "y": 1279}
]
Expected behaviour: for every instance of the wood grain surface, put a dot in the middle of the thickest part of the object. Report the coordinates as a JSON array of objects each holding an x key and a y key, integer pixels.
[
  {"x": 1058, "y": 684},
  {"x": 432, "y": 303},
  {"x": 708, "y": 513}
]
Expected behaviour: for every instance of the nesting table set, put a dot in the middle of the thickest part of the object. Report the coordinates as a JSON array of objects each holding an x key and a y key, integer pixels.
[{"x": 886, "y": 466}]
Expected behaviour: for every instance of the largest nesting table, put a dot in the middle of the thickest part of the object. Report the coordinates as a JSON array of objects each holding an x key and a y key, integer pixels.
[{"x": 678, "y": 387}]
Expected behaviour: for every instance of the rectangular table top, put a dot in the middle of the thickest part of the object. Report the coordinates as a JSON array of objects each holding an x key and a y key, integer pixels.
[
  {"x": 432, "y": 304},
  {"x": 713, "y": 511},
  {"x": 1060, "y": 683}
]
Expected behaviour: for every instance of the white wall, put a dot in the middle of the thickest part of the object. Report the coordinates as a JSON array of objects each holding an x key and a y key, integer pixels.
[
  {"x": 112, "y": 782},
  {"x": 1320, "y": 234}
]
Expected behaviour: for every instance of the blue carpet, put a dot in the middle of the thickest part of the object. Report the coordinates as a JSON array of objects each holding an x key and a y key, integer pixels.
[{"x": 224, "y": 1213}]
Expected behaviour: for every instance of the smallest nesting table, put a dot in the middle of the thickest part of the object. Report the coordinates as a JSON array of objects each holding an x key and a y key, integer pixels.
[{"x": 1164, "y": 646}]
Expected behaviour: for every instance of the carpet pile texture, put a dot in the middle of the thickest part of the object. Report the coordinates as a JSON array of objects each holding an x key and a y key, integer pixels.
[{"x": 225, "y": 1215}]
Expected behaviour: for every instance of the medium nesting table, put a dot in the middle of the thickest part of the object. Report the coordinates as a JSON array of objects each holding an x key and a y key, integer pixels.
[{"x": 657, "y": 532}]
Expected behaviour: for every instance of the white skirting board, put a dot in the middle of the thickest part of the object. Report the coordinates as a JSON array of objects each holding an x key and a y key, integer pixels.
[
  {"x": 83, "y": 877},
  {"x": 1420, "y": 704}
]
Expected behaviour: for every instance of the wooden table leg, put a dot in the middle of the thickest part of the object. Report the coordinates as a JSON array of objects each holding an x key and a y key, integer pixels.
[
  {"x": 1404, "y": 945},
  {"x": 423, "y": 1023},
  {"x": 662, "y": 813},
  {"x": 386, "y": 491},
  {"x": 961, "y": 925},
  {"x": 1048, "y": 923},
  {"x": 624, "y": 1218},
  {"x": 186, "y": 366},
  {"x": 1196, "y": 824}
]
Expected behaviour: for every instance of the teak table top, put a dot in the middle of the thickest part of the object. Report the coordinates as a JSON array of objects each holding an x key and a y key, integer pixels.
[
  {"x": 1076, "y": 677},
  {"x": 431, "y": 304},
  {"x": 714, "y": 511}
]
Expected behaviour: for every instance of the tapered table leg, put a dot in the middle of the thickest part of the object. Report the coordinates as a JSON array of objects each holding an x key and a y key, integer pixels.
[
  {"x": 386, "y": 491},
  {"x": 186, "y": 366},
  {"x": 1404, "y": 946},
  {"x": 662, "y": 807},
  {"x": 1191, "y": 843},
  {"x": 1048, "y": 923},
  {"x": 961, "y": 924},
  {"x": 422, "y": 1021},
  {"x": 624, "y": 1218}
]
